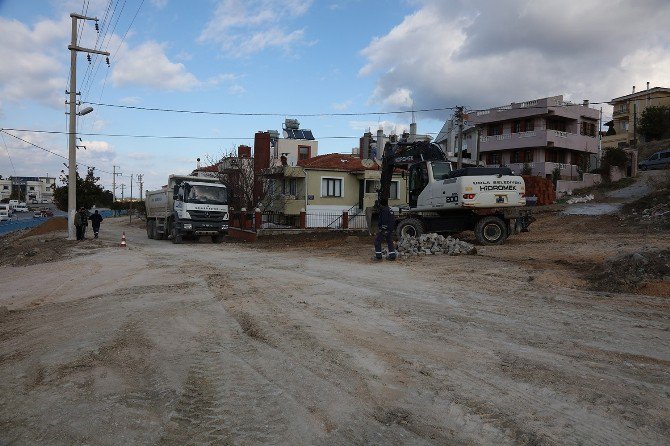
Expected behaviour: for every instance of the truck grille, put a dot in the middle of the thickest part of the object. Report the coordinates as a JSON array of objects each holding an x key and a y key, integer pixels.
[{"x": 208, "y": 215}]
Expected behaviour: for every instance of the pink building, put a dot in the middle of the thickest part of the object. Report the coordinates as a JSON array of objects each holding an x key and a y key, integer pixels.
[{"x": 544, "y": 134}]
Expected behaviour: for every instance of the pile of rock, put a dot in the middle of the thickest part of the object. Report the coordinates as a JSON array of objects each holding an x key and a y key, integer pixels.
[
  {"x": 584, "y": 199},
  {"x": 433, "y": 244}
]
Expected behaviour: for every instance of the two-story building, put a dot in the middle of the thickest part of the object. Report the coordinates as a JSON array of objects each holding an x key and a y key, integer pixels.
[
  {"x": 543, "y": 133},
  {"x": 329, "y": 184},
  {"x": 29, "y": 189},
  {"x": 628, "y": 109}
]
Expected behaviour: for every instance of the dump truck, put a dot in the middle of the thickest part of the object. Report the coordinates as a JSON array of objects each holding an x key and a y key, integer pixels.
[
  {"x": 487, "y": 200},
  {"x": 188, "y": 207}
]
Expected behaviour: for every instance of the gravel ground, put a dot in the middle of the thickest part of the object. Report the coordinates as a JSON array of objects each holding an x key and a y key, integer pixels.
[{"x": 310, "y": 342}]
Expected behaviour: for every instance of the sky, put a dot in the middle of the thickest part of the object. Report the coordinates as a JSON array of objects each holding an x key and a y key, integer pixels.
[{"x": 338, "y": 66}]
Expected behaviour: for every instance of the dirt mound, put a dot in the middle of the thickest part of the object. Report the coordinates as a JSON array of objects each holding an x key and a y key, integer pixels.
[
  {"x": 646, "y": 271},
  {"x": 51, "y": 225}
]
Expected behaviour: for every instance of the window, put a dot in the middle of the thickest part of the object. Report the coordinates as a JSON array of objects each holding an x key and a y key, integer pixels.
[
  {"x": 517, "y": 157},
  {"x": 553, "y": 124},
  {"x": 5, "y": 187},
  {"x": 331, "y": 187},
  {"x": 303, "y": 152},
  {"x": 530, "y": 125},
  {"x": 623, "y": 125},
  {"x": 394, "y": 190},
  {"x": 32, "y": 187},
  {"x": 290, "y": 187},
  {"x": 555, "y": 156},
  {"x": 516, "y": 127},
  {"x": 495, "y": 129},
  {"x": 493, "y": 159}
]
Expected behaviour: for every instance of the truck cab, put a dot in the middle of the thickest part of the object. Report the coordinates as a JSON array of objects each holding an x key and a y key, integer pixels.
[{"x": 188, "y": 207}]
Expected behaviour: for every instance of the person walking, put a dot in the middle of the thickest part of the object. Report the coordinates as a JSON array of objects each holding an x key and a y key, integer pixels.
[
  {"x": 96, "y": 219},
  {"x": 84, "y": 222},
  {"x": 78, "y": 225},
  {"x": 385, "y": 232}
]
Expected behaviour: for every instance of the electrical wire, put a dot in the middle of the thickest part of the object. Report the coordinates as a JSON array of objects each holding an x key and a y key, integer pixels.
[
  {"x": 47, "y": 150},
  {"x": 10, "y": 156},
  {"x": 301, "y": 115}
]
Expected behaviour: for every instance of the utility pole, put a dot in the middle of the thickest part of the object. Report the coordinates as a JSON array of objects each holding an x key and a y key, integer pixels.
[
  {"x": 72, "y": 149},
  {"x": 130, "y": 212},
  {"x": 459, "y": 117},
  {"x": 114, "y": 175},
  {"x": 139, "y": 180},
  {"x": 634, "y": 125}
]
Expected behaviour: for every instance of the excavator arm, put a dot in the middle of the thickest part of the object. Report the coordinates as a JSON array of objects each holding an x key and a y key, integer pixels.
[{"x": 401, "y": 155}]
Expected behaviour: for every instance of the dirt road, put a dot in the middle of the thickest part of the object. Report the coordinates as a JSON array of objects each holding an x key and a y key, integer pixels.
[{"x": 231, "y": 344}]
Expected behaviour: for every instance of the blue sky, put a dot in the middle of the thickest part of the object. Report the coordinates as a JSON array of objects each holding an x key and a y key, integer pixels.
[{"x": 296, "y": 57}]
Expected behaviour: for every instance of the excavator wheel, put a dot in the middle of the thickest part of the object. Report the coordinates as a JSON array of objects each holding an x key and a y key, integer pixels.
[
  {"x": 491, "y": 230},
  {"x": 410, "y": 227}
]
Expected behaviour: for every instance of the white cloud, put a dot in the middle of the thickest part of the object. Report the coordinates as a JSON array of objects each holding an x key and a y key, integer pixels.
[
  {"x": 139, "y": 156},
  {"x": 130, "y": 100},
  {"x": 389, "y": 127},
  {"x": 147, "y": 65},
  {"x": 486, "y": 53},
  {"x": 160, "y": 4},
  {"x": 236, "y": 89},
  {"x": 32, "y": 67},
  {"x": 242, "y": 28},
  {"x": 341, "y": 106}
]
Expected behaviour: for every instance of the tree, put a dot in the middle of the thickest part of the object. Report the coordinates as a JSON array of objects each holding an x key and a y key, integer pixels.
[
  {"x": 654, "y": 123},
  {"x": 89, "y": 193}
]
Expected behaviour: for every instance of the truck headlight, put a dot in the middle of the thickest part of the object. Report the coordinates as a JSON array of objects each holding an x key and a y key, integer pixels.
[{"x": 188, "y": 226}]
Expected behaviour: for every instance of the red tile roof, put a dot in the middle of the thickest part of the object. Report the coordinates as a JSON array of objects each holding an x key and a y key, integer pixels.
[{"x": 336, "y": 161}]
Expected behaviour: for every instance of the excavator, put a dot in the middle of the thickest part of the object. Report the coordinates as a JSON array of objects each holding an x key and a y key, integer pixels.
[{"x": 487, "y": 200}]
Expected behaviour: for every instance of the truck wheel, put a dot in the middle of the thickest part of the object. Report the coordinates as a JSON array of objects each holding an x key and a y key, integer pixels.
[
  {"x": 410, "y": 227},
  {"x": 491, "y": 231},
  {"x": 156, "y": 235},
  {"x": 176, "y": 236},
  {"x": 150, "y": 229},
  {"x": 218, "y": 238}
]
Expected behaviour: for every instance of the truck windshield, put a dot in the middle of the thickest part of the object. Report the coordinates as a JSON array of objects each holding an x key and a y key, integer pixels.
[
  {"x": 441, "y": 171},
  {"x": 208, "y": 194}
]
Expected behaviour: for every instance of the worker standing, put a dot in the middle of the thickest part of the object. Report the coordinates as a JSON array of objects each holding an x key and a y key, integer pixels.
[
  {"x": 385, "y": 232},
  {"x": 96, "y": 219}
]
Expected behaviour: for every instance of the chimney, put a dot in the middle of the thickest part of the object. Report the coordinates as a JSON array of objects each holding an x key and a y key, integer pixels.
[
  {"x": 243, "y": 151},
  {"x": 647, "y": 85},
  {"x": 633, "y": 88}
]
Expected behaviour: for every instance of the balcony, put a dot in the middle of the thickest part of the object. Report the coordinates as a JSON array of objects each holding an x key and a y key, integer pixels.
[
  {"x": 538, "y": 138},
  {"x": 619, "y": 113}
]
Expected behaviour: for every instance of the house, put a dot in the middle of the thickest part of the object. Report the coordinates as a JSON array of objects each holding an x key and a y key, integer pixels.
[
  {"x": 544, "y": 133},
  {"x": 447, "y": 138},
  {"x": 329, "y": 184},
  {"x": 29, "y": 189},
  {"x": 629, "y": 108}
]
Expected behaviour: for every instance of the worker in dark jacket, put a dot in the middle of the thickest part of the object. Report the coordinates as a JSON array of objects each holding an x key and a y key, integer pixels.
[
  {"x": 385, "y": 232},
  {"x": 96, "y": 219}
]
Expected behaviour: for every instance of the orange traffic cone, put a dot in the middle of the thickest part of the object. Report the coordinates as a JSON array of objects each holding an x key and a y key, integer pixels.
[{"x": 123, "y": 240}]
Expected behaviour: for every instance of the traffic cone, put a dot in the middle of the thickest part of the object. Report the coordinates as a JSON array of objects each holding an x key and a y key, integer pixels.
[{"x": 123, "y": 240}]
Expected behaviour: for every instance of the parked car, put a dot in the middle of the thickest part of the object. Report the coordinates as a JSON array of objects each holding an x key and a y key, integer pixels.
[
  {"x": 47, "y": 212},
  {"x": 37, "y": 214},
  {"x": 659, "y": 160}
]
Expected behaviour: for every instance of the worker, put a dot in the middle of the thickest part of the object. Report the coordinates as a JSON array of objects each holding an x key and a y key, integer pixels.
[
  {"x": 96, "y": 219},
  {"x": 78, "y": 225},
  {"x": 385, "y": 231},
  {"x": 84, "y": 222}
]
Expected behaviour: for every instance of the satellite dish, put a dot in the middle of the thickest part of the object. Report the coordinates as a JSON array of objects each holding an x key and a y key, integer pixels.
[{"x": 367, "y": 163}]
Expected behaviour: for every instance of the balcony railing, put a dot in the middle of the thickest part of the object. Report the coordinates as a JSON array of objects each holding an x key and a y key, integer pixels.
[{"x": 619, "y": 112}]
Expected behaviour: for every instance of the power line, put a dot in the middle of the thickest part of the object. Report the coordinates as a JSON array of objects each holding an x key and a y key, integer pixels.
[
  {"x": 301, "y": 115},
  {"x": 10, "y": 156},
  {"x": 118, "y": 135},
  {"x": 46, "y": 150}
]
